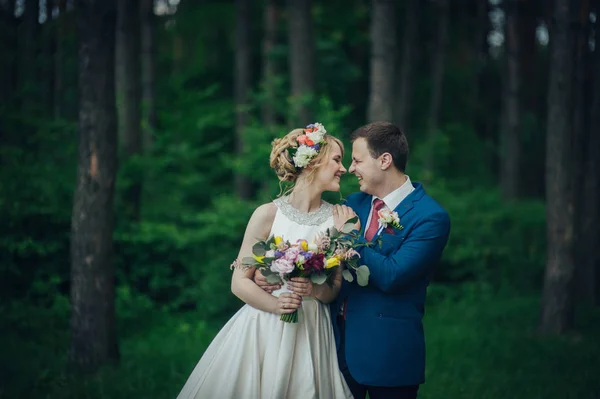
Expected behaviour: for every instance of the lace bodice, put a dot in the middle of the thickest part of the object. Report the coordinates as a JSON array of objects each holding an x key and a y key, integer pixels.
[{"x": 315, "y": 218}]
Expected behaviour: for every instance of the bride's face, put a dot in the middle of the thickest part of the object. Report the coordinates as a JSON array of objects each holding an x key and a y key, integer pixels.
[{"x": 328, "y": 175}]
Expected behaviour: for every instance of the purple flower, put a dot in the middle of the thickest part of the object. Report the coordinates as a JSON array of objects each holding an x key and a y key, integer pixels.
[
  {"x": 307, "y": 255},
  {"x": 316, "y": 147},
  {"x": 278, "y": 254}
]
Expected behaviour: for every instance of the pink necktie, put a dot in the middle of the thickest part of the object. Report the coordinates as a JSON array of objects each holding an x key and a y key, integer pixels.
[{"x": 374, "y": 224}]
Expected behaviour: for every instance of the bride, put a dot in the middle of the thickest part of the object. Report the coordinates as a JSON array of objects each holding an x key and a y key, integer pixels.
[{"x": 256, "y": 355}]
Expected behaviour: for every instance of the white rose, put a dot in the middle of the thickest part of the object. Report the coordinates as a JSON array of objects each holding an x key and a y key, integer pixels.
[
  {"x": 312, "y": 247},
  {"x": 384, "y": 216},
  {"x": 317, "y": 137}
]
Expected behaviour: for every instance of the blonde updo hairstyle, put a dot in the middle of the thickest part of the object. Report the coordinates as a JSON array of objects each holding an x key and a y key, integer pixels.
[{"x": 282, "y": 163}]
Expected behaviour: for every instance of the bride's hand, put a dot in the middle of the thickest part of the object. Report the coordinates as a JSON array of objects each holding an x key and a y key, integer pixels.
[
  {"x": 288, "y": 302},
  {"x": 301, "y": 286},
  {"x": 341, "y": 214}
]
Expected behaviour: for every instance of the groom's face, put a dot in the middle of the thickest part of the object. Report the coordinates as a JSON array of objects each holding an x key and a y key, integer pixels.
[{"x": 366, "y": 168}]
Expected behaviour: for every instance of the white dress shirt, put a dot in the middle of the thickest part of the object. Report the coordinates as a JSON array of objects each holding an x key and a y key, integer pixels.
[{"x": 393, "y": 199}]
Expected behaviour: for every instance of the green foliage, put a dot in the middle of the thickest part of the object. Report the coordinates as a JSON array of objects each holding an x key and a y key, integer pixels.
[
  {"x": 37, "y": 177},
  {"x": 458, "y": 155},
  {"x": 492, "y": 241}
]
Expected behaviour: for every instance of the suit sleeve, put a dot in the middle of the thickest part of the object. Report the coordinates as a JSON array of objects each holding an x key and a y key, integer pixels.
[{"x": 422, "y": 248}]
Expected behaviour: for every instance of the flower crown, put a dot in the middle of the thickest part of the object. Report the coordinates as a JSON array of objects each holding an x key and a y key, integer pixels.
[{"x": 309, "y": 145}]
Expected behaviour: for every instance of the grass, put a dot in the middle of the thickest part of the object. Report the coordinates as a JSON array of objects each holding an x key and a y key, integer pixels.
[
  {"x": 480, "y": 348},
  {"x": 490, "y": 349}
]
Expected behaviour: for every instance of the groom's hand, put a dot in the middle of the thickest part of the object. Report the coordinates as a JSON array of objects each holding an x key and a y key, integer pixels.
[
  {"x": 301, "y": 286},
  {"x": 262, "y": 282}
]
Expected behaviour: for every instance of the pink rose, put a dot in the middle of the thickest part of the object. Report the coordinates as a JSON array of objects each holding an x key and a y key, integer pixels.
[
  {"x": 292, "y": 254},
  {"x": 282, "y": 266}
]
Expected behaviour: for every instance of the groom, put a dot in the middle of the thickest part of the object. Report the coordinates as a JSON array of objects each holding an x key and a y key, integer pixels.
[{"x": 379, "y": 330}]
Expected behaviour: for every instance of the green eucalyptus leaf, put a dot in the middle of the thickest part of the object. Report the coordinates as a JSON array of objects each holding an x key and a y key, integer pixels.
[
  {"x": 347, "y": 276},
  {"x": 362, "y": 275},
  {"x": 273, "y": 278},
  {"x": 347, "y": 228},
  {"x": 259, "y": 249},
  {"x": 318, "y": 278},
  {"x": 248, "y": 261}
]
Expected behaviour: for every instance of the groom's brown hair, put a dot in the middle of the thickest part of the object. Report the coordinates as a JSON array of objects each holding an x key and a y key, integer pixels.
[{"x": 384, "y": 137}]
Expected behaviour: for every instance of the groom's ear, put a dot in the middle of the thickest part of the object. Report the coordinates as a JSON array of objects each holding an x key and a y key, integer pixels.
[{"x": 386, "y": 160}]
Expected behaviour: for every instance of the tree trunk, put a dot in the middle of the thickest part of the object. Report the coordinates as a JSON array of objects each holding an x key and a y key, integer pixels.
[
  {"x": 588, "y": 211},
  {"x": 383, "y": 55},
  {"x": 409, "y": 47},
  {"x": 61, "y": 5},
  {"x": 93, "y": 329},
  {"x": 243, "y": 79},
  {"x": 591, "y": 210},
  {"x": 527, "y": 23},
  {"x": 9, "y": 48},
  {"x": 302, "y": 61},
  {"x": 481, "y": 51},
  {"x": 269, "y": 72},
  {"x": 148, "y": 41},
  {"x": 437, "y": 79},
  {"x": 178, "y": 50},
  {"x": 129, "y": 95},
  {"x": 510, "y": 138},
  {"x": 47, "y": 58},
  {"x": 557, "y": 299},
  {"x": 28, "y": 45}
]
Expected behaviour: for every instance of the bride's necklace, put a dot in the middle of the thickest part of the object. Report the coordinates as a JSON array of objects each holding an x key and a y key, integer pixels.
[{"x": 306, "y": 218}]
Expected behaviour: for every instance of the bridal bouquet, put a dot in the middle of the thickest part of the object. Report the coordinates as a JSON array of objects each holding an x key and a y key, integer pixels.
[{"x": 279, "y": 260}]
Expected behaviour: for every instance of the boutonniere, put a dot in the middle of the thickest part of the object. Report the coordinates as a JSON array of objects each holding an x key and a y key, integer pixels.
[{"x": 388, "y": 218}]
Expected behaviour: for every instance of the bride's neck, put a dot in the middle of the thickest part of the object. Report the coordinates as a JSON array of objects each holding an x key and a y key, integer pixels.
[{"x": 305, "y": 198}]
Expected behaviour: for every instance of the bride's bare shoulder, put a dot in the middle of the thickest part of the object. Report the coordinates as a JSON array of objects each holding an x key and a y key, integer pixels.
[
  {"x": 262, "y": 219},
  {"x": 265, "y": 213}
]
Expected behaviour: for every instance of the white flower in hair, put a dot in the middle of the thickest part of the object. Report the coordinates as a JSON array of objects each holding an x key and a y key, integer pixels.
[{"x": 304, "y": 155}]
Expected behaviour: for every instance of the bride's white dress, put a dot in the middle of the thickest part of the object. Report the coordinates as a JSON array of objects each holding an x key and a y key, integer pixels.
[{"x": 256, "y": 355}]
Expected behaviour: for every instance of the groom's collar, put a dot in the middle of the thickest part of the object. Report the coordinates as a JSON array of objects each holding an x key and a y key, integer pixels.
[
  {"x": 364, "y": 204},
  {"x": 393, "y": 199}
]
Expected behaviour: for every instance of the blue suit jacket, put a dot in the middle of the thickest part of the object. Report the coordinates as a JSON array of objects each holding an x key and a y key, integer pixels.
[{"x": 384, "y": 341}]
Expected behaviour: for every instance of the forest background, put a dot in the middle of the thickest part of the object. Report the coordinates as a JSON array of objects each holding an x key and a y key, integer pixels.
[{"x": 134, "y": 143}]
